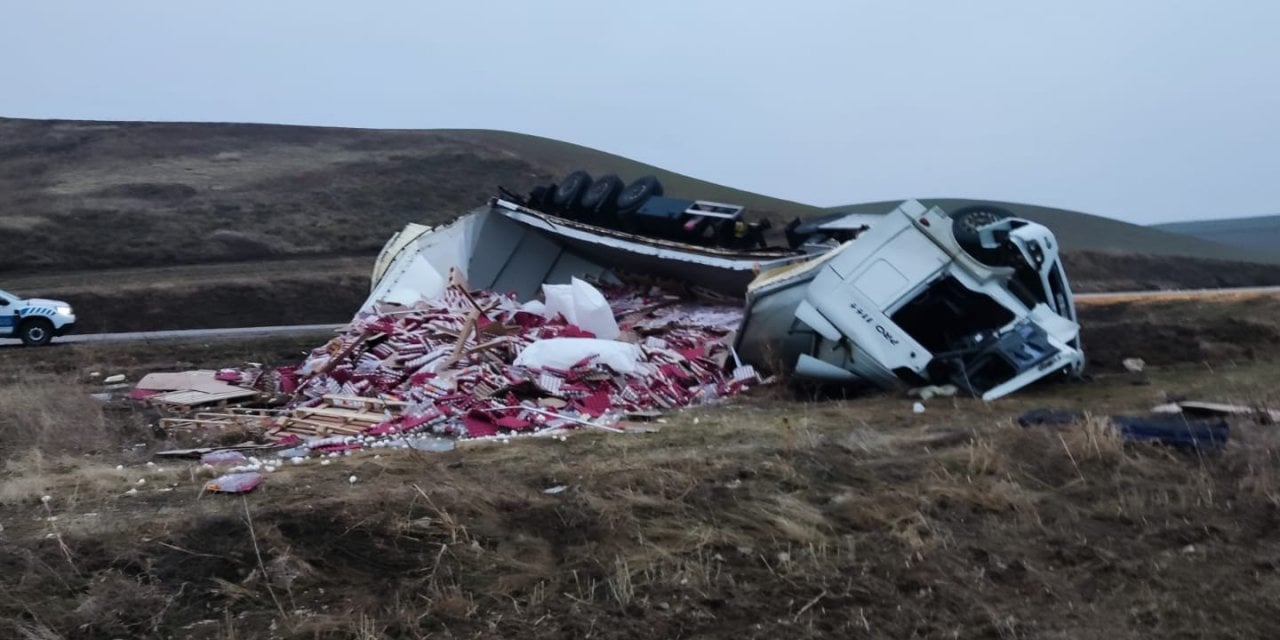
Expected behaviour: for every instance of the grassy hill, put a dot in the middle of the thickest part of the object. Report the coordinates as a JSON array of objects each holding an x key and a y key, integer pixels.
[
  {"x": 79, "y": 195},
  {"x": 1084, "y": 232},
  {"x": 177, "y": 225},
  {"x": 1259, "y": 233}
]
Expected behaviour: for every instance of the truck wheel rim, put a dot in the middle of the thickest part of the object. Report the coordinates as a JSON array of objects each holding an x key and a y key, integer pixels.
[
  {"x": 35, "y": 333},
  {"x": 976, "y": 221}
]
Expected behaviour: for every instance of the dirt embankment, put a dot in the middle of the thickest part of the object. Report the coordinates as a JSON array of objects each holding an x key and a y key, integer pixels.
[
  {"x": 329, "y": 290},
  {"x": 1101, "y": 272},
  {"x": 1212, "y": 332},
  {"x": 288, "y": 301}
]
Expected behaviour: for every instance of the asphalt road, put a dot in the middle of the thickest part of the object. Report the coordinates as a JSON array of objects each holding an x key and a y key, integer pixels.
[
  {"x": 303, "y": 329},
  {"x": 191, "y": 334},
  {"x": 1175, "y": 294}
]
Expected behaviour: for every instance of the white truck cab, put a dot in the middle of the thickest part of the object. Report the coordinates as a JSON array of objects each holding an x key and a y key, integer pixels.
[
  {"x": 977, "y": 298},
  {"x": 35, "y": 321}
]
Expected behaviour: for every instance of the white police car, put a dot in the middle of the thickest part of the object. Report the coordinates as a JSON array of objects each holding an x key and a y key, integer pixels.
[{"x": 35, "y": 321}]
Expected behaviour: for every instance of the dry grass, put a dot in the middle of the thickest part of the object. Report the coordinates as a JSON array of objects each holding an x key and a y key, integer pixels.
[
  {"x": 767, "y": 517},
  {"x": 52, "y": 418}
]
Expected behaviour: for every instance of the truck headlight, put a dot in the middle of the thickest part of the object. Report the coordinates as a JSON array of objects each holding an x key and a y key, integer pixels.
[{"x": 64, "y": 309}]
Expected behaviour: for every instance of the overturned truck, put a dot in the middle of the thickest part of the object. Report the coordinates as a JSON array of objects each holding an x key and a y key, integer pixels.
[{"x": 974, "y": 297}]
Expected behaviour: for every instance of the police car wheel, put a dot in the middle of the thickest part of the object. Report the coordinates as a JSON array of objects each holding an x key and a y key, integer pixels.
[{"x": 36, "y": 333}]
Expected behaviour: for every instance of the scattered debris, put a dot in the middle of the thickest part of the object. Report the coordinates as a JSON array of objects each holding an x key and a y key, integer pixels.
[
  {"x": 1134, "y": 365},
  {"x": 201, "y": 451},
  {"x": 427, "y": 443},
  {"x": 115, "y": 379},
  {"x": 1176, "y": 432},
  {"x": 223, "y": 457},
  {"x": 917, "y": 407},
  {"x": 234, "y": 483},
  {"x": 182, "y": 392},
  {"x": 934, "y": 391},
  {"x": 477, "y": 364},
  {"x": 554, "y": 490},
  {"x": 1195, "y": 408}
]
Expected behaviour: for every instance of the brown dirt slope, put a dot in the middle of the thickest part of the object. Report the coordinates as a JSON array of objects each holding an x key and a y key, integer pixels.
[
  {"x": 1093, "y": 271},
  {"x": 1212, "y": 332}
]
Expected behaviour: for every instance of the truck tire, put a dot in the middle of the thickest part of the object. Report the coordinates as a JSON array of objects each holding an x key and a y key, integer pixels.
[
  {"x": 36, "y": 332},
  {"x": 964, "y": 226},
  {"x": 633, "y": 197},
  {"x": 568, "y": 195},
  {"x": 601, "y": 200},
  {"x": 966, "y": 222}
]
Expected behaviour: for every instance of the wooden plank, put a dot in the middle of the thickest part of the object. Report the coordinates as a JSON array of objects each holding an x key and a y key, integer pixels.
[
  {"x": 196, "y": 398},
  {"x": 322, "y": 428},
  {"x": 336, "y": 358},
  {"x": 197, "y": 452},
  {"x": 344, "y": 414},
  {"x": 206, "y": 422},
  {"x": 1217, "y": 408},
  {"x": 252, "y": 411},
  {"x": 337, "y": 400}
]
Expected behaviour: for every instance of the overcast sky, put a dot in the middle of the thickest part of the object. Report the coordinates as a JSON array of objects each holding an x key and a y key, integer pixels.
[{"x": 1144, "y": 110}]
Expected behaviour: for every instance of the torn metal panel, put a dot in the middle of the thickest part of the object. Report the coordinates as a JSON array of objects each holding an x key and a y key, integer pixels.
[{"x": 418, "y": 265}]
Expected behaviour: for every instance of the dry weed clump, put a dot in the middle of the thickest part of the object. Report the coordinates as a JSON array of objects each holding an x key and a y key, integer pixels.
[{"x": 53, "y": 418}]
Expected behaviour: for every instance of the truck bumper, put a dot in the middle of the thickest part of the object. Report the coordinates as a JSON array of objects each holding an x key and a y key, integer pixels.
[{"x": 64, "y": 329}]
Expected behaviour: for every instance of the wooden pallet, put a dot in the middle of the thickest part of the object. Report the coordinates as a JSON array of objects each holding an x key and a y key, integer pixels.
[
  {"x": 189, "y": 401},
  {"x": 339, "y": 415},
  {"x": 242, "y": 418}
]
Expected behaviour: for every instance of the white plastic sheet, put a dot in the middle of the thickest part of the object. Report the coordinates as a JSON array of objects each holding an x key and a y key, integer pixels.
[
  {"x": 563, "y": 353},
  {"x": 583, "y": 305}
]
